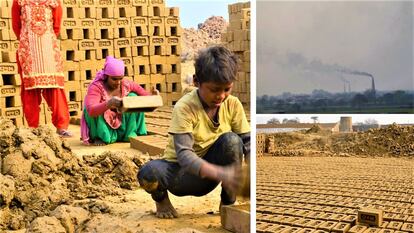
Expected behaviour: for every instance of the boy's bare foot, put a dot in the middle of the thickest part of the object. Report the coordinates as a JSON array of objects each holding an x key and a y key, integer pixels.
[
  {"x": 98, "y": 142},
  {"x": 165, "y": 209}
]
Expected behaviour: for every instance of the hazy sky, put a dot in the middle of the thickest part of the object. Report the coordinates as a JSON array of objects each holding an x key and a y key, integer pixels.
[
  {"x": 193, "y": 12},
  {"x": 332, "y": 118},
  {"x": 302, "y": 45}
]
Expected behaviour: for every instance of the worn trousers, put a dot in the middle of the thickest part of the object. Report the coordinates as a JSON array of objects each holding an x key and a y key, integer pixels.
[{"x": 159, "y": 176}]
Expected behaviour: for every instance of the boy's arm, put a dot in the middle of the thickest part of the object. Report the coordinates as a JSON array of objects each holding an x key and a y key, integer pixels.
[{"x": 186, "y": 157}]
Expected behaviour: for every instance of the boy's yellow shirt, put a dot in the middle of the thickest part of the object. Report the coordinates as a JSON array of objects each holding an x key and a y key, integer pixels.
[{"x": 189, "y": 116}]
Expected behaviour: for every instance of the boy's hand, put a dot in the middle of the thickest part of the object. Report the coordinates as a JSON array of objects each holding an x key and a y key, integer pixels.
[
  {"x": 231, "y": 177},
  {"x": 114, "y": 102}
]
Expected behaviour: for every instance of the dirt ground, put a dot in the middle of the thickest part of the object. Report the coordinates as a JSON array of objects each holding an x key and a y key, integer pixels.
[
  {"x": 319, "y": 193},
  {"x": 52, "y": 186},
  {"x": 316, "y": 181}
]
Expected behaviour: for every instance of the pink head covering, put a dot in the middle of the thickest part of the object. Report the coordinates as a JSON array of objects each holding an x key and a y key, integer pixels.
[{"x": 114, "y": 67}]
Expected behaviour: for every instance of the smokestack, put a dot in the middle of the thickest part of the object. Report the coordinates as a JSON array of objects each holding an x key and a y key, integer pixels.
[{"x": 373, "y": 86}]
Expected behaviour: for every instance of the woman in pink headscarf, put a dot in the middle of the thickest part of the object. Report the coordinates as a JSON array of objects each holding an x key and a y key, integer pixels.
[{"x": 102, "y": 123}]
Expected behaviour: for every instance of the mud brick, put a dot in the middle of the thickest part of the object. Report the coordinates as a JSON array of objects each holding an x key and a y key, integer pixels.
[
  {"x": 122, "y": 28},
  {"x": 8, "y": 68},
  {"x": 102, "y": 52},
  {"x": 72, "y": 75},
  {"x": 11, "y": 101},
  {"x": 401, "y": 217},
  {"x": 145, "y": 144},
  {"x": 156, "y": 26},
  {"x": 341, "y": 227},
  {"x": 5, "y": 13},
  {"x": 10, "y": 79},
  {"x": 122, "y": 52},
  {"x": 327, "y": 225},
  {"x": 140, "y": 2},
  {"x": 5, "y": 46},
  {"x": 386, "y": 231},
  {"x": 174, "y": 87},
  {"x": 7, "y": 56},
  {"x": 236, "y": 218},
  {"x": 372, "y": 230},
  {"x": 141, "y": 103},
  {"x": 84, "y": 85},
  {"x": 70, "y": 12},
  {"x": 72, "y": 85},
  {"x": 173, "y": 78},
  {"x": 157, "y": 78},
  {"x": 88, "y": 70},
  {"x": 127, "y": 61},
  {"x": 141, "y": 65},
  {"x": 172, "y": 98},
  {"x": 73, "y": 95},
  {"x": 124, "y": 12},
  {"x": 349, "y": 219},
  {"x": 141, "y": 41},
  {"x": 87, "y": 3},
  {"x": 87, "y": 45},
  {"x": 143, "y": 83},
  {"x": 158, "y": 64},
  {"x": 4, "y": 24},
  {"x": 394, "y": 225},
  {"x": 11, "y": 112},
  {"x": 172, "y": 26},
  {"x": 156, "y": 10},
  {"x": 410, "y": 219},
  {"x": 104, "y": 33},
  {"x": 314, "y": 223},
  {"x": 139, "y": 26},
  {"x": 14, "y": 45},
  {"x": 74, "y": 106},
  {"x": 157, "y": 45},
  {"x": 371, "y": 217},
  {"x": 140, "y": 50},
  {"x": 9, "y": 90},
  {"x": 104, "y": 12},
  {"x": 72, "y": 3},
  {"x": 358, "y": 229},
  {"x": 87, "y": 12},
  {"x": 173, "y": 46},
  {"x": 172, "y": 12},
  {"x": 129, "y": 70},
  {"x": 122, "y": 43},
  {"x": 409, "y": 227}
]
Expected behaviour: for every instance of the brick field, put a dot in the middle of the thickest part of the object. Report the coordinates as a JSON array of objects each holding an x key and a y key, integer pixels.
[{"x": 324, "y": 194}]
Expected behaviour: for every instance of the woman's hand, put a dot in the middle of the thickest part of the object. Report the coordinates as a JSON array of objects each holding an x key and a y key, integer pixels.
[
  {"x": 114, "y": 102},
  {"x": 154, "y": 91}
]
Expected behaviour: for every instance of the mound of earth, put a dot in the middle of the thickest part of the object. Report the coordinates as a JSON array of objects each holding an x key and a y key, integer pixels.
[
  {"x": 207, "y": 33},
  {"x": 394, "y": 140},
  {"x": 39, "y": 174}
]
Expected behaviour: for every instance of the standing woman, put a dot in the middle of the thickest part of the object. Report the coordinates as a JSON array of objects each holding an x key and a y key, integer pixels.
[{"x": 36, "y": 24}]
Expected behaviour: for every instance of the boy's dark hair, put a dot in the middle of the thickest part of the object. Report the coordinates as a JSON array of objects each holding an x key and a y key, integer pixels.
[{"x": 216, "y": 64}]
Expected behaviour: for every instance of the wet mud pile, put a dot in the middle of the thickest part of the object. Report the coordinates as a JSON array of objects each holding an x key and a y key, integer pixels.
[{"x": 40, "y": 178}]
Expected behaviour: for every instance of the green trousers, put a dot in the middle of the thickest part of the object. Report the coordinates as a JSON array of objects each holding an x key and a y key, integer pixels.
[{"x": 133, "y": 124}]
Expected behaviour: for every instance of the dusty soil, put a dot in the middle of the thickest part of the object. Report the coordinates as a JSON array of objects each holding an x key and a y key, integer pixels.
[
  {"x": 322, "y": 193},
  {"x": 52, "y": 185},
  {"x": 207, "y": 33},
  {"x": 392, "y": 141}
]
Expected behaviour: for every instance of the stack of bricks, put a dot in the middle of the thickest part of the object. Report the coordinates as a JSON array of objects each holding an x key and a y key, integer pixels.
[
  {"x": 145, "y": 34},
  {"x": 10, "y": 102},
  {"x": 237, "y": 39},
  {"x": 260, "y": 143}
]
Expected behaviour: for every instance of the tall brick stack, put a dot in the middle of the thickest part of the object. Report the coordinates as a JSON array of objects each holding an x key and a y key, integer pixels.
[
  {"x": 237, "y": 39},
  {"x": 145, "y": 34},
  {"x": 260, "y": 143}
]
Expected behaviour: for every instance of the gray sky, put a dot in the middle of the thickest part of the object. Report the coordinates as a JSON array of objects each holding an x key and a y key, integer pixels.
[
  {"x": 332, "y": 118},
  {"x": 301, "y": 45}
]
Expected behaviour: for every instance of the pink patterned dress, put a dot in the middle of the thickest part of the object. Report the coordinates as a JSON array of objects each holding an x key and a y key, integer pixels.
[{"x": 39, "y": 52}]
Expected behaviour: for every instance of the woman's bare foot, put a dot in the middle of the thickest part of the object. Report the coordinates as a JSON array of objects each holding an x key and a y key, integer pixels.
[
  {"x": 165, "y": 209},
  {"x": 98, "y": 142}
]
